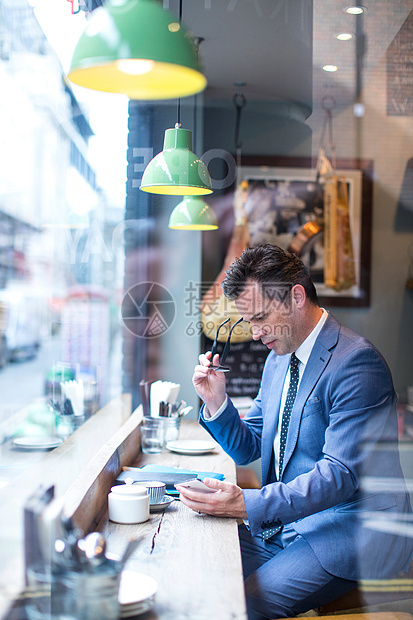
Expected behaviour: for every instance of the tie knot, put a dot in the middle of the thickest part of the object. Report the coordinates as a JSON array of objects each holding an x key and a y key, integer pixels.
[{"x": 294, "y": 361}]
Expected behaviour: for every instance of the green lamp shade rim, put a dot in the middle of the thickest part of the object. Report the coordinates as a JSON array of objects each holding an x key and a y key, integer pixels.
[
  {"x": 136, "y": 30},
  {"x": 192, "y": 214}
]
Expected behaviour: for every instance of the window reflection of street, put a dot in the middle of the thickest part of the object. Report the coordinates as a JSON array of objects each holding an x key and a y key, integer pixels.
[
  {"x": 25, "y": 410},
  {"x": 29, "y": 374},
  {"x": 18, "y": 405}
]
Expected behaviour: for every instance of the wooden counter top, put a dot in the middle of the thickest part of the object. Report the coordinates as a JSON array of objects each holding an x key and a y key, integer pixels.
[{"x": 194, "y": 558}]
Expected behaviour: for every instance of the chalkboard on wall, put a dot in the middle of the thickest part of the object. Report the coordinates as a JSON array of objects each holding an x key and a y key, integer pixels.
[{"x": 246, "y": 360}]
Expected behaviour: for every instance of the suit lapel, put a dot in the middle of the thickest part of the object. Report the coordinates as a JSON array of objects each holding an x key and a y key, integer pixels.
[{"x": 317, "y": 362}]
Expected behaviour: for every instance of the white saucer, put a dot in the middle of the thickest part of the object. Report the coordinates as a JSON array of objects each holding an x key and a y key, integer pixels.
[
  {"x": 37, "y": 443},
  {"x": 166, "y": 500},
  {"x": 136, "y": 593},
  {"x": 191, "y": 446}
]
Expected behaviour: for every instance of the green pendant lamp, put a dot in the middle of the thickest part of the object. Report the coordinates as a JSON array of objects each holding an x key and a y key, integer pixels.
[
  {"x": 193, "y": 214},
  {"x": 176, "y": 170},
  {"x": 137, "y": 48}
]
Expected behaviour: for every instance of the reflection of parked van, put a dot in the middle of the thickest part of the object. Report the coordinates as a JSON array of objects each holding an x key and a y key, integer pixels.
[{"x": 20, "y": 327}]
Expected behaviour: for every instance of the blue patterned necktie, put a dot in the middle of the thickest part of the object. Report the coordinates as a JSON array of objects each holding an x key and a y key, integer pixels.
[{"x": 288, "y": 407}]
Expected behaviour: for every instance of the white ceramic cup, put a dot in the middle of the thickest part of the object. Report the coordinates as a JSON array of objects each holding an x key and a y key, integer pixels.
[
  {"x": 171, "y": 429},
  {"x": 128, "y": 503},
  {"x": 156, "y": 491}
]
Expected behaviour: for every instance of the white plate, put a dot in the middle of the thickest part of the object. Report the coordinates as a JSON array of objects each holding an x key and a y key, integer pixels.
[
  {"x": 167, "y": 499},
  {"x": 130, "y": 612},
  {"x": 191, "y": 446},
  {"x": 37, "y": 443},
  {"x": 135, "y": 588}
]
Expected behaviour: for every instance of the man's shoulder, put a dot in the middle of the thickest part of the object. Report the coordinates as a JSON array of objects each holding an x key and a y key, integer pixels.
[
  {"x": 335, "y": 331},
  {"x": 340, "y": 338}
]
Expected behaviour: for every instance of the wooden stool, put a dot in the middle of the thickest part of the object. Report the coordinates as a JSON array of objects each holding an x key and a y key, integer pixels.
[
  {"x": 379, "y": 615},
  {"x": 381, "y": 595},
  {"x": 247, "y": 479},
  {"x": 387, "y": 615}
]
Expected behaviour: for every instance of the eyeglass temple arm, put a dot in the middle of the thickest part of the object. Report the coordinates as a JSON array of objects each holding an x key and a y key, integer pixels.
[
  {"x": 227, "y": 344},
  {"x": 214, "y": 346}
]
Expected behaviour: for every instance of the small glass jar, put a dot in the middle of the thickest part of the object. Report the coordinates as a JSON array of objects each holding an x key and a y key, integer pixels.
[
  {"x": 152, "y": 435},
  {"x": 72, "y": 595},
  {"x": 128, "y": 503},
  {"x": 171, "y": 426},
  {"x": 97, "y": 596},
  {"x": 65, "y": 425}
]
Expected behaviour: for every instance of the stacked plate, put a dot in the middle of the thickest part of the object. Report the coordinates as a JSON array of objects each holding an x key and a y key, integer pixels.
[
  {"x": 191, "y": 446},
  {"x": 37, "y": 443},
  {"x": 136, "y": 593}
]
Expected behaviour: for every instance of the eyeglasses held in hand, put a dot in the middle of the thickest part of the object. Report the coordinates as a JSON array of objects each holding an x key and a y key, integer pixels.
[{"x": 223, "y": 356}]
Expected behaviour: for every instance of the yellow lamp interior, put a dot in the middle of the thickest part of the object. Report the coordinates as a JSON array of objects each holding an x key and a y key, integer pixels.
[
  {"x": 176, "y": 190},
  {"x": 195, "y": 227},
  {"x": 162, "y": 81}
]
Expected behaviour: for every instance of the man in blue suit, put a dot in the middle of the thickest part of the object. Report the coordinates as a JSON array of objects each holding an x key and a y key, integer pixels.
[{"x": 324, "y": 424}]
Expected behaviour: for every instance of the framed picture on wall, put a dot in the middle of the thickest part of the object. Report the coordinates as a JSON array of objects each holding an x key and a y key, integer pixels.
[{"x": 286, "y": 207}]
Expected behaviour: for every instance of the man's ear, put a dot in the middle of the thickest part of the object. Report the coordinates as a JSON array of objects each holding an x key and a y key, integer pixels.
[{"x": 298, "y": 295}]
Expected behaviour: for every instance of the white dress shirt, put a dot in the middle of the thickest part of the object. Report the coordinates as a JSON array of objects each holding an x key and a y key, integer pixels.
[{"x": 302, "y": 353}]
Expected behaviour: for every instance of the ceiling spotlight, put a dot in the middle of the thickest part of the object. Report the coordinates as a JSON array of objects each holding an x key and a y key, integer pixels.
[
  {"x": 344, "y": 36},
  {"x": 358, "y": 110},
  {"x": 355, "y": 9},
  {"x": 330, "y": 68},
  {"x": 174, "y": 27}
]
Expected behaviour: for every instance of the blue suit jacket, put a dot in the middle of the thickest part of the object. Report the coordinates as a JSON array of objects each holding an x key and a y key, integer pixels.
[{"x": 342, "y": 482}]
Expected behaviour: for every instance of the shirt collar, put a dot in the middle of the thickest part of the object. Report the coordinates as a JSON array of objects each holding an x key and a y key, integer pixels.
[{"x": 305, "y": 348}]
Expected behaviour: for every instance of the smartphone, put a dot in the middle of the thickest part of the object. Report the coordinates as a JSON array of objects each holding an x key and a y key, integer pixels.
[{"x": 197, "y": 485}]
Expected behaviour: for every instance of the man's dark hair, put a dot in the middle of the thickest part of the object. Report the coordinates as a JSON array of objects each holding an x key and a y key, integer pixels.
[{"x": 271, "y": 267}]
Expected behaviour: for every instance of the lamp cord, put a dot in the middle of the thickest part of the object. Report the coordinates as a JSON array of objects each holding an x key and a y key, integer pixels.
[
  {"x": 328, "y": 104},
  {"x": 239, "y": 102},
  {"x": 198, "y": 41},
  {"x": 178, "y": 107}
]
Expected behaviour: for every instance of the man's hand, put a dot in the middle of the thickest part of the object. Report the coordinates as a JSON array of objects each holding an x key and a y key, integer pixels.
[
  {"x": 209, "y": 385},
  {"x": 228, "y": 501}
]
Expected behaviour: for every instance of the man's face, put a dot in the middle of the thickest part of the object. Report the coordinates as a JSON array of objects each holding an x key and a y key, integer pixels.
[{"x": 272, "y": 316}]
